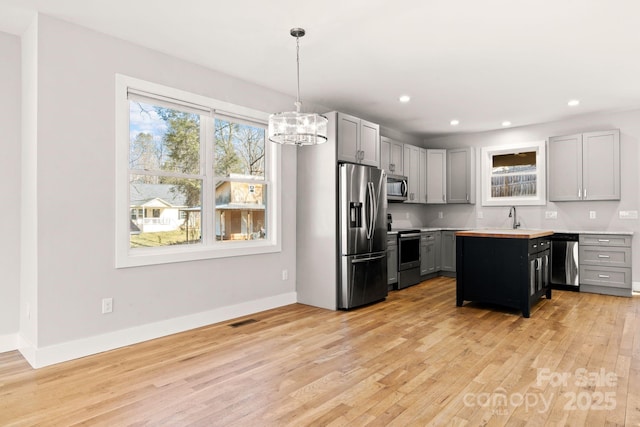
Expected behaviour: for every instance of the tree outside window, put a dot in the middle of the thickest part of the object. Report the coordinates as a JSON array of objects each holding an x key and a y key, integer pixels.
[{"x": 166, "y": 177}]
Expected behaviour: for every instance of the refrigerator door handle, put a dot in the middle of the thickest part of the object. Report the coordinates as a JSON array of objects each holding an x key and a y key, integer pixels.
[
  {"x": 373, "y": 258},
  {"x": 373, "y": 210}
]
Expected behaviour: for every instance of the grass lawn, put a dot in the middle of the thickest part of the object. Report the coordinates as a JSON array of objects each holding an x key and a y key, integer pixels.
[{"x": 164, "y": 238}]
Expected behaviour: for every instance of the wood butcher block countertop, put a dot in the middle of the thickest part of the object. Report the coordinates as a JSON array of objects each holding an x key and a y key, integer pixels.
[{"x": 505, "y": 233}]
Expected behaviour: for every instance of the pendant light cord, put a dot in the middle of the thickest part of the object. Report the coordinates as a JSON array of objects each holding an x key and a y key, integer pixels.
[{"x": 298, "y": 103}]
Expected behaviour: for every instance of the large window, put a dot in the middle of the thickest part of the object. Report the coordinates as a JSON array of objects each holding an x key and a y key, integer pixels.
[
  {"x": 196, "y": 177},
  {"x": 514, "y": 174}
]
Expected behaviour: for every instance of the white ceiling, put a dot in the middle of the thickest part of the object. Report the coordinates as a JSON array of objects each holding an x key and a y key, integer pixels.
[{"x": 481, "y": 62}]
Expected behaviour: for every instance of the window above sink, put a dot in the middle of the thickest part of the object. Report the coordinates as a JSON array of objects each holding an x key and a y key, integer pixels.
[{"x": 514, "y": 175}]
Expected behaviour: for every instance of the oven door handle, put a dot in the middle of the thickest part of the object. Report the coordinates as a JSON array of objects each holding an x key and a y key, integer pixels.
[{"x": 404, "y": 236}]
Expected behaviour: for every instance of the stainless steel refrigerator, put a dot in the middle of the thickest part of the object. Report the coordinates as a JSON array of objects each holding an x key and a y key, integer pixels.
[{"x": 362, "y": 235}]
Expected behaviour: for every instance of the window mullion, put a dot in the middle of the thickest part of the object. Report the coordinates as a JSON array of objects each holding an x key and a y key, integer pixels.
[
  {"x": 167, "y": 174},
  {"x": 208, "y": 196}
]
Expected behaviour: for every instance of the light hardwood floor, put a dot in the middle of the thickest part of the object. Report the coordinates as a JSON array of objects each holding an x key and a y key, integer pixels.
[{"x": 415, "y": 359}]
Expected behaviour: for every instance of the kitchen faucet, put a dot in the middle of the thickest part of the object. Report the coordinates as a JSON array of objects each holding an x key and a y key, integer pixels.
[{"x": 512, "y": 213}]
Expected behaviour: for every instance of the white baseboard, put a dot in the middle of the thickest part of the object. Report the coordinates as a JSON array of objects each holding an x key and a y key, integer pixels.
[
  {"x": 45, "y": 356},
  {"x": 8, "y": 342},
  {"x": 636, "y": 286}
]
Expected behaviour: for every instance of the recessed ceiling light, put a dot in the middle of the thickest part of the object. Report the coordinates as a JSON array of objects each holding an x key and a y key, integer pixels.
[
  {"x": 573, "y": 102},
  {"x": 404, "y": 98},
  {"x": 506, "y": 123},
  {"x": 454, "y": 122}
]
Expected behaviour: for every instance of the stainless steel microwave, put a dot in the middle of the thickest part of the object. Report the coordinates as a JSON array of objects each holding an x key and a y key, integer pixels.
[{"x": 396, "y": 188}]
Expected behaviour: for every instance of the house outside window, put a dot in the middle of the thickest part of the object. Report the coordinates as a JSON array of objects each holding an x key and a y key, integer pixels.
[{"x": 197, "y": 176}]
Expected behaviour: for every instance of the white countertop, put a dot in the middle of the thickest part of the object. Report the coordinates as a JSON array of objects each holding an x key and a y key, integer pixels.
[
  {"x": 427, "y": 229},
  {"x": 620, "y": 233}
]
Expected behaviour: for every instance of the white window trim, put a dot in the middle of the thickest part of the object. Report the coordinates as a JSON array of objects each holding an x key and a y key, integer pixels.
[
  {"x": 127, "y": 257},
  {"x": 486, "y": 166}
]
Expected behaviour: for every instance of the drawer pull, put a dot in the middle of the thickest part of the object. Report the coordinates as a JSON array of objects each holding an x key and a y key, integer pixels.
[
  {"x": 603, "y": 276},
  {"x": 604, "y": 240},
  {"x": 603, "y": 256}
]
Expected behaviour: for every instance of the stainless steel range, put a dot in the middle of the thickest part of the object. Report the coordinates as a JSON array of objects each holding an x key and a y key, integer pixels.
[{"x": 408, "y": 258}]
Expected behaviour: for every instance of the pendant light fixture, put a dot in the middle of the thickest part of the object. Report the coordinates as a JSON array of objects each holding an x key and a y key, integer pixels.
[{"x": 295, "y": 127}]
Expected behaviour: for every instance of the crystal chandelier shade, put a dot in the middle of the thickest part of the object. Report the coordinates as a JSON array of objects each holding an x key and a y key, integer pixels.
[{"x": 296, "y": 127}]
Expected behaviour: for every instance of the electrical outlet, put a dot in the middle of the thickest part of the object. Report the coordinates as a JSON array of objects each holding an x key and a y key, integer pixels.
[
  {"x": 440, "y": 215},
  {"x": 107, "y": 305},
  {"x": 628, "y": 214},
  {"x": 551, "y": 215},
  {"x": 592, "y": 214},
  {"x": 285, "y": 274}
]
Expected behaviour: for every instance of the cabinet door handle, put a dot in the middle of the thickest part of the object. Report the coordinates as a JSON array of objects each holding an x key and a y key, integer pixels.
[
  {"x": 603, "y": 256},
  {"x": 603, "y": 240},
  {"x": 443, "y": 199},
  {"x": 579, "y": 193},
  {"x": 603, "y": 276},
  {"x": 585, "y": 193},
  {"x": 467, "y": 197}
]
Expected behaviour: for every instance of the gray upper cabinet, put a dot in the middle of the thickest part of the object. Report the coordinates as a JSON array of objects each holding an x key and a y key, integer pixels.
[
  {"x": 601, "y": 165},
  {"x": 422, "y": 175},
  {"x": 585, "y": 166},
  {"x": 436, "y": 181},
  {"x": 412, "y": 161},
  {"x": 461, "y": 186},
  {"x": 391, "y": 156},
  {"x": 358, "y": 141}
]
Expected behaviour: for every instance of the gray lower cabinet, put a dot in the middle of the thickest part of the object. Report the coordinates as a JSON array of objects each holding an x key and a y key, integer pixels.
[
  {"x": 392, "y": 259},
  {"x": 605, "y": 264},
  {"x": 428, "y": 253},
  {"x": 448, "y": 253},
  {"x": 438, "y": 250}
]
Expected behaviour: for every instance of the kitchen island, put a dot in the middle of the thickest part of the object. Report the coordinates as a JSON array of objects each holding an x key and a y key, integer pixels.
[{"x": 507, "y": 267}]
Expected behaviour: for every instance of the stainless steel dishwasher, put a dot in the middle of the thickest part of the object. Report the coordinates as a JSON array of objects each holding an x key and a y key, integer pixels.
[{"x": 564, "y": 261}]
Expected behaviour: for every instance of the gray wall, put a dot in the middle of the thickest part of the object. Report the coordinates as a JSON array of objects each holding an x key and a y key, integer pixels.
[
  {"x": 571, "y": 215},
  {"x": 9, "y": 187},
  {"x": 57, "y": 120},
  {"x": 68, "y": 174}
]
